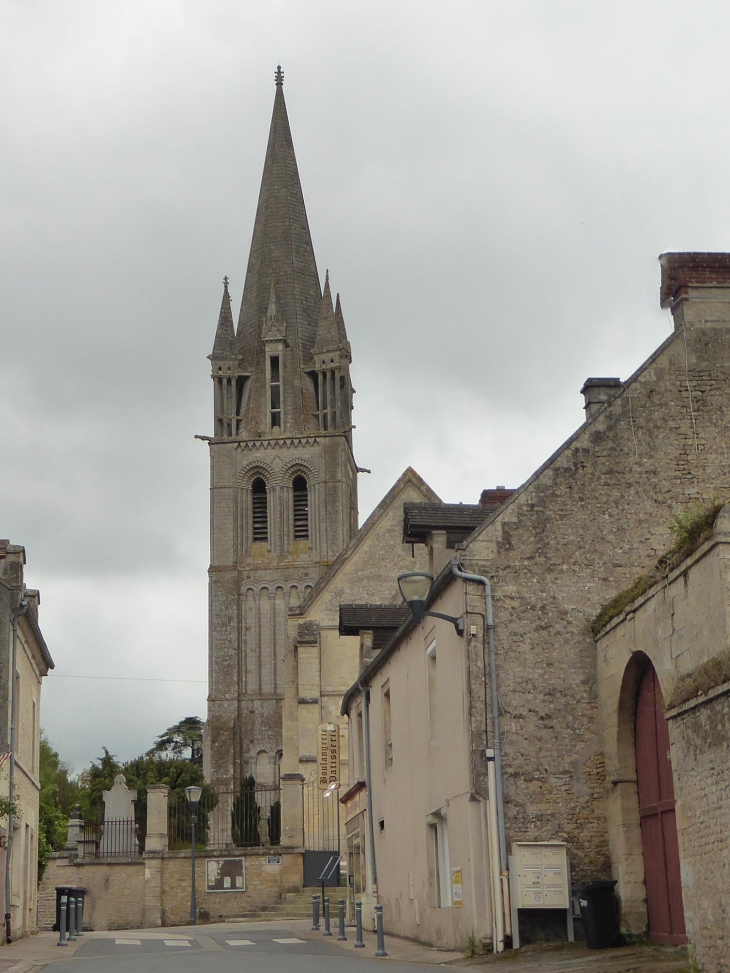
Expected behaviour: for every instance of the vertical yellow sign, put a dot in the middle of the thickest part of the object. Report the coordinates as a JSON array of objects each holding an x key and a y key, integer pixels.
[
  {"x": 457, "y": 888},
  {"x": 328, "y": 754}
]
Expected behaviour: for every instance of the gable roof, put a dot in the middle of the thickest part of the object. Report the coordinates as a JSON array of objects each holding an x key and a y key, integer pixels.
[{"x": 408, "y": 477}]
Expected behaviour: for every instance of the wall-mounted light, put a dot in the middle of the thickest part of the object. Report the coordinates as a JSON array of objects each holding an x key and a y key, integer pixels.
[{"x": 414, "y": 587}]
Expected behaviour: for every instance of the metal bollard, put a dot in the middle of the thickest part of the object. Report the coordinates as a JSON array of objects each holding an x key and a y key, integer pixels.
[
  {"x": 380, "y": 951},
  {"x": 341, "y": 938},
  {"x": 327, "y": 930},
  {"x": 71, "y": 919},
  {"x": 359, "y": 944},
  {"x": 315, "y": 913},
  {"x": 62, "y": 923},
  {"x": 80, "y": 914}
]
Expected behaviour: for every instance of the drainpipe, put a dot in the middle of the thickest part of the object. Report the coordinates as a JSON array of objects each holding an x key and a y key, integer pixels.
[
  {"x": 496, "y": 740},
  {"x": 369, "y": 790},
  {"x": 19, "y": 611}
]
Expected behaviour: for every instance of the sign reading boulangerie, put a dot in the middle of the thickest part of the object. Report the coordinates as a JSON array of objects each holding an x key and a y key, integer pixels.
[{"x": 328, "y": 754}]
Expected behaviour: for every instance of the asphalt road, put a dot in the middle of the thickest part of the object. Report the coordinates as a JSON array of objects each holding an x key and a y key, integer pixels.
[{"x": 242, "y": 949}]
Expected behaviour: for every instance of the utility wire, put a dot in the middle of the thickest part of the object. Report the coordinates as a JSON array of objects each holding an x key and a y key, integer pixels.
[{"x": 129, "y": 678}]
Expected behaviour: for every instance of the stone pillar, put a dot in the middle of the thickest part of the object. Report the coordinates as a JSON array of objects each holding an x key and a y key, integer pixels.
[
  {"x": 157, "y": 817},
  {"x": 292, "y": 812},
  {"x": 75, "y": 833},
  {"x": 153, "y": 865}
]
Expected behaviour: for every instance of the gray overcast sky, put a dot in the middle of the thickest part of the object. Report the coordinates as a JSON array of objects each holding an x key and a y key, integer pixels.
[{"x": 489, "y": 184}]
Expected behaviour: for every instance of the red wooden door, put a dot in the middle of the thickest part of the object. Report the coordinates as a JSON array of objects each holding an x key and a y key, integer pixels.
[{"x": 656, "y": 810}]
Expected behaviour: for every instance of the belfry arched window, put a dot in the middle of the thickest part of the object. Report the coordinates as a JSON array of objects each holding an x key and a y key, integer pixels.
[
  {"x": 259, "y": 510},
  {"x": 300, "y": 494}
]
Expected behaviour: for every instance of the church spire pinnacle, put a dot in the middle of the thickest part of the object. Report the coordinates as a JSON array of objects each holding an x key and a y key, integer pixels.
[
  {"x": 279, "y": 77},
  {"x": 224, "y": 345}
]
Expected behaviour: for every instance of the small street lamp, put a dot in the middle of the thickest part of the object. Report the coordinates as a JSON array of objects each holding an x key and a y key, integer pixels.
[
  {"x": 193, "y": 795},
  {"x": 414, "y": 587}
]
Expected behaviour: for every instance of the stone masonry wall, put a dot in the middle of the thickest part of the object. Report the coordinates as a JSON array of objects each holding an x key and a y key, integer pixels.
[
  {"x": 700, "y": 739},
  {"x": 592, "y": 518},
  {"x": 264, "y": 885},
  {"x": 115, "y": 892}
]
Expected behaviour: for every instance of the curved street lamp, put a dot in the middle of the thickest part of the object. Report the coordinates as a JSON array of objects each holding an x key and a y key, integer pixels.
[{"x": 414, "y": 586}]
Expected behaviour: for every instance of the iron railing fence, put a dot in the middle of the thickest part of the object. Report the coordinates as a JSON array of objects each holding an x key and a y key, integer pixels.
[
  {"x": 322, "y": 821},
  {"x": 113, "y": 838},
  {"x": 247, "y": 818}
]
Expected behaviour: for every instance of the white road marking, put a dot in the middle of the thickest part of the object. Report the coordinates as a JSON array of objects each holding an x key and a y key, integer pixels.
[
  {"x": 240, "y": 942},
  {"x": 176, "y": 942},
  {"x": 290, "y": 940},
  {"x": 128, "y": 942}
]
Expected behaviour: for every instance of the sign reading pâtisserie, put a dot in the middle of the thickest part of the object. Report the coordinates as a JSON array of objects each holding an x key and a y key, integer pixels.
[{"x": 328, "y": 754}]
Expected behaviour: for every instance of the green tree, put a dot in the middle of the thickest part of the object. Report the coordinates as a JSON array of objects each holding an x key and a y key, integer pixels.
[
  {"x": 183, "y": 741},
  {"x": 96, "y": 779},
  {"x": 58, "y": 793},
  {"x": 245, "y": 815}
]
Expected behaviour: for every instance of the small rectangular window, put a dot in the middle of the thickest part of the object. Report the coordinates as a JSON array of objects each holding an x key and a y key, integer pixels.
[
  {"x": 275, "y": 391},
  {"x": 387, "y": 730},
  {"x": 432, "y": 690}
]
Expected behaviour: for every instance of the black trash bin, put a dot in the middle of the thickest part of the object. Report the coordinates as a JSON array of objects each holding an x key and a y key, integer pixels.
[
  {"x": 76, "y": 890},
  {"x": 599, "y": 914}
]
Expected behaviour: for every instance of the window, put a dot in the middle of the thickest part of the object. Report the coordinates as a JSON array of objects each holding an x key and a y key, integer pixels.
[
  {"x": 300, "y": 492},
  {"x": 442, "y": 867},
  {"x": 360, "y": 747},
  {"x": 432, "y": 688},
  {"x": 275, "y": 390},
  {"x": 387, "y": 733},
  {"x": 259, "y": 510}
]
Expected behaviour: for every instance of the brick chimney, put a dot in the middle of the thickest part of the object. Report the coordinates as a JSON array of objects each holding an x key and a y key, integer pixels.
[
  {"x": 696, "y": 287},
  {"x": 597, "y": 392}
]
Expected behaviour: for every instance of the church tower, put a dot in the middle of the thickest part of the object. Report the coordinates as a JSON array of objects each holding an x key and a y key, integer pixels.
[{"x": 283, "y": 477}]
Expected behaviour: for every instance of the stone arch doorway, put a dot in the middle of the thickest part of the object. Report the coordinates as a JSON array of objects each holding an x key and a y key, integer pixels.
[{"x": 656, "y": 812}]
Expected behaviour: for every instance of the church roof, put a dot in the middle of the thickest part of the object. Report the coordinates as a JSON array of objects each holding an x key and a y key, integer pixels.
[
  {"x": 281, "y": 245},
  {"x": 357, "y": 618}
]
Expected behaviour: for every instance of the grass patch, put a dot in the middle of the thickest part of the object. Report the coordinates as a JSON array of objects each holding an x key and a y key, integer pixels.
[
  {"x": 691, "y": 528},
  {"x": 705, "y": 677}
]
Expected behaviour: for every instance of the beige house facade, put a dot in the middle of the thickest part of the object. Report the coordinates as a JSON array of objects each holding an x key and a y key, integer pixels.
[
  {"x": 21, "y": 636},
  {"x": 592, "y": 518},
  {"x": 677, "y": 635}
]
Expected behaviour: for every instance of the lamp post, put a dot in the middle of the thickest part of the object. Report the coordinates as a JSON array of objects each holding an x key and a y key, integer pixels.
[
  {"x": 193, "y": 795},
  {"x": 415, "y": 587}
]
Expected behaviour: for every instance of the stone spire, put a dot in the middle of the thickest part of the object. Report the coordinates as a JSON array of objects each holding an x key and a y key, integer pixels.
[
  {"x": 327, "y": 339},
  {"x": 341, "y": 330},
  {"x": 224, "y": 345},
  {"x": 281, "y": 239}
]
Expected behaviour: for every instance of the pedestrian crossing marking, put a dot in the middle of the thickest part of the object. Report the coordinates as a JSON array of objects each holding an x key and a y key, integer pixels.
[
  {"x": 128, "y": 942},
  {"x": 240, "y": 942},
  {"x": 176, "y": 942},
  {"x": 290, "y": 940}
]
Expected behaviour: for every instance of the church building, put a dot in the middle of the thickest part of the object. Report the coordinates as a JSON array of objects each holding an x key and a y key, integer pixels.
[{"x": 283, "y": 474}]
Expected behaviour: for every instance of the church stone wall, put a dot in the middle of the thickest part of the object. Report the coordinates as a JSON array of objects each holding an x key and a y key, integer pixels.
[{"x": 593, "y": 518}]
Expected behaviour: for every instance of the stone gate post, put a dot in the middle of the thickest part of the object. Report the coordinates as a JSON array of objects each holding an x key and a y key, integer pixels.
[{"x": 292, "y": 812}]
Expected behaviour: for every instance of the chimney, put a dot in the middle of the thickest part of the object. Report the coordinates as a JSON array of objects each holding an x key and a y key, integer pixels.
[
  {"x": 597, "y": 392},
  {"x": 696, "y": 288}
]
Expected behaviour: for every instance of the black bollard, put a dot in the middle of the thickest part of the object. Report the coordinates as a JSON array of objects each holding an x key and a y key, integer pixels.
[
  {"x": 71, "y": 919},
  {"x": 341, "y": 938},
  {"x": 62, "y": 923},
  {"x": 315, "y": 913},
  {"x": 80, "y": 913},
  {"x": 327, "y": 930},
  {"x": 380, "y": 951},
  {"x": 359, "y": 944}
]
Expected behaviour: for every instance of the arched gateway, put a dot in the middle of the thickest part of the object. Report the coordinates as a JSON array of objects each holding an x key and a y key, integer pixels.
[{"x": 656, "y": 811}]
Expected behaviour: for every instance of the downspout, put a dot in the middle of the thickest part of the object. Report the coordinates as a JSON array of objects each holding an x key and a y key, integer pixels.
[
  {"x": 496, "y": 739},
  {"x": 369, "y": 790},
  {"x": 19, "y": 611}
]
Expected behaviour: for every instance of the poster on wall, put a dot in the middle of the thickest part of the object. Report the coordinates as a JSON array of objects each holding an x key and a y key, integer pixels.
[
  {"x": 225, "y": 875},
  {"x": 328, "y": 755},
  {"x": 457, "y": 888}
]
